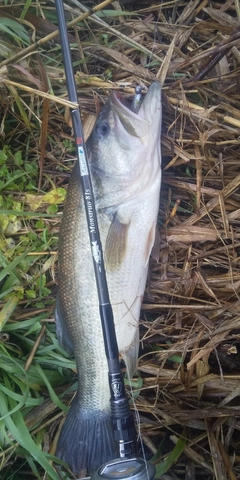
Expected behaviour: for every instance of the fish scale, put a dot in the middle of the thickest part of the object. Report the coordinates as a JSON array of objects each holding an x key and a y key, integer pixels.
[
  {"x": 124, "y": 160},
  {"x": 71, "y": 290}
]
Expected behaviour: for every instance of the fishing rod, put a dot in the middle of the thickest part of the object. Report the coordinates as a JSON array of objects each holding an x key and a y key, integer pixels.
[{"x": 127, "y": 465}]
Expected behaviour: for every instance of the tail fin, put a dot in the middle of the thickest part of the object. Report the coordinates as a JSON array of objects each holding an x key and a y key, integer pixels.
[{"x": 86, "y": 440}]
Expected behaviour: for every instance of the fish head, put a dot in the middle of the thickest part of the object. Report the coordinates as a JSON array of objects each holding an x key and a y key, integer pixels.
[{"x": 125, "y": 145}]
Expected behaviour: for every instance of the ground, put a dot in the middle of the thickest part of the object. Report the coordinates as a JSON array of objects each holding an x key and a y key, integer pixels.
[{"x": 187, "y": 387}]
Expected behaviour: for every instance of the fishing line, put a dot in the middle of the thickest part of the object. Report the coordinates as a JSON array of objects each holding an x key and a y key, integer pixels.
[{"x": 138, "y": 422}]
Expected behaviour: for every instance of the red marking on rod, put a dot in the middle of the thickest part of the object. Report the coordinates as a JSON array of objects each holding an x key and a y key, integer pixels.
[{"x": 79, "y": 141}]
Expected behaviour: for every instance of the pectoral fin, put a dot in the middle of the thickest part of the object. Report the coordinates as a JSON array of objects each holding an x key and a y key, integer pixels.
[{"x": 116, "y": 243}]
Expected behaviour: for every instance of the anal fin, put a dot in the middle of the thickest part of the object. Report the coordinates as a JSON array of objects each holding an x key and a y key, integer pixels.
[
  {"x": 130, "y": 355},
  {"x": 156, "y": 245},
  {"x": 150, "y": 243}
]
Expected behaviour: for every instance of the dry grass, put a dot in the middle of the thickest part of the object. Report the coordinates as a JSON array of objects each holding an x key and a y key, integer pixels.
[{"x": 190, "y": 361}]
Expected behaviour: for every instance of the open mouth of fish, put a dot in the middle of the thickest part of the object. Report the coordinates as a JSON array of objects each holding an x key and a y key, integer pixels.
[
  {"x": 134, "y": 105},
  {"x": 138, "y": 113}
]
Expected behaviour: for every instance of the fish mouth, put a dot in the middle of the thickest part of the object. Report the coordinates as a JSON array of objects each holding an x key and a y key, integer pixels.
[{"x": 136, "y": 123}]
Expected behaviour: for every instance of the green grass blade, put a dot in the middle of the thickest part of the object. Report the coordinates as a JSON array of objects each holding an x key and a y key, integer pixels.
[
  {"x": 164, "y": 466},
  {"x": 8, "y": 269},
  {"x": 28, "y": 4},
  {"x": 52, "y": 394},
  {"x": 8, "y": 309},
  {"x": 12, "y": 179},
  {"x": 17, "y": 428},
  {"x": 29, "y": 214},
  {"x": 14, "y": 29}
]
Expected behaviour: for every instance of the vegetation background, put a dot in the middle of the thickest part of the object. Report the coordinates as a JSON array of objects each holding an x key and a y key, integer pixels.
[{"x": 187, "y": 388}]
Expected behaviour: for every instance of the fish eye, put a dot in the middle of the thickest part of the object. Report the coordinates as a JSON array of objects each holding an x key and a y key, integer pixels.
[{"x": 102, "y": 128}]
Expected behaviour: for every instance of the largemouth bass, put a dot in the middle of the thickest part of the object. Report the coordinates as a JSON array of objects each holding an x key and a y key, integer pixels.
[{"x": 124, "y": 159}]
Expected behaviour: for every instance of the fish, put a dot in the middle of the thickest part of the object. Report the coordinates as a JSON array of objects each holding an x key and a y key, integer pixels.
[{"x": 124, "y": 158}]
